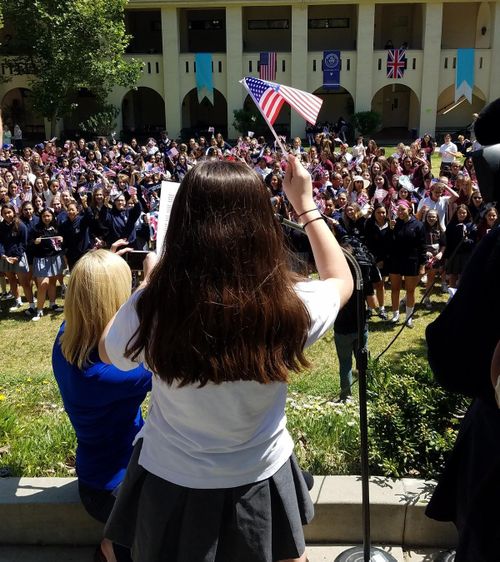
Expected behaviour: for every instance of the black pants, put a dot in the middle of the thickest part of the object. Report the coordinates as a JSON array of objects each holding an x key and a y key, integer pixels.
[{"x": 98, "y": 504}]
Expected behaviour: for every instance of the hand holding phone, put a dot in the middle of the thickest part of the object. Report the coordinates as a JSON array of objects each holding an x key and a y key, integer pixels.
[{"x": 135, "y": 259}]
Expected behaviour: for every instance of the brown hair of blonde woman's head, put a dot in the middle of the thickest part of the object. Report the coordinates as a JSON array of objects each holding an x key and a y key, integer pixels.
[{"x": 99, "y": 284}]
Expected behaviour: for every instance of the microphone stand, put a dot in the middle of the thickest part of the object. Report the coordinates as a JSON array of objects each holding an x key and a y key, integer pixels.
[{"x": 366, "y": 553}]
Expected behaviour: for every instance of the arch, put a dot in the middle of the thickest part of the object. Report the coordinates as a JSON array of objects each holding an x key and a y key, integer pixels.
[
  {"x": 17, "y": 107},
  {"x": 198, "y": 117},
  {"x": 399, "y": 107},
  {"x": 336, "y": 103},
  {"x": 143, "y": 111},
  {"x": 281, "y": 125},
  {"x": 457, "y": 116}
]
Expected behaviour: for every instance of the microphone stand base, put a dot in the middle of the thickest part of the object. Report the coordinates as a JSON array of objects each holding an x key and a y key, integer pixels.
[{"x": 357, "y": 554}]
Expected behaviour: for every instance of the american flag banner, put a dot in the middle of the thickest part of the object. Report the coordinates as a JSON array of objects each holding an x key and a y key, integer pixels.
[
  {"x": 396, "y": 63},
  {"x": 267, "y": 66},
  {"x": 270, "y": 97}
]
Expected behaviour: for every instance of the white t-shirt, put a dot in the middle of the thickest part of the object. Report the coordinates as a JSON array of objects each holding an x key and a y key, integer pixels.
[
  {"x": 218, "y": 436},
  {"x": 440, "y": 206},
  {"x": 445, "y": 149}
]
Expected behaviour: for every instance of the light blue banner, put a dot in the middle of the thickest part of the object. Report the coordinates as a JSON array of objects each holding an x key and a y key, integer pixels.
[
  {"x": 204, "y": 77},
  {"x": 464, "y": 77}
]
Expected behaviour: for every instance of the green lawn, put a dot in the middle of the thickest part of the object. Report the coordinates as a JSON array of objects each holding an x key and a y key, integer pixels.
[{"x": 36, "y": 438}]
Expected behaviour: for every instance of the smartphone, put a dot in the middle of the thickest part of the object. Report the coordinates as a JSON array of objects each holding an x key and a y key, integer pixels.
[{"x": 135, "y": 259}]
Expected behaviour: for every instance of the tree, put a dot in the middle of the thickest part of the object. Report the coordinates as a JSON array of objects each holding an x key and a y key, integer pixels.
[{"x": 70, "y": 45}]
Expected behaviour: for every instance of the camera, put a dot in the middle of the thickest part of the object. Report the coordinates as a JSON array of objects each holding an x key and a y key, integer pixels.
[{"x": 135, "y": 259}]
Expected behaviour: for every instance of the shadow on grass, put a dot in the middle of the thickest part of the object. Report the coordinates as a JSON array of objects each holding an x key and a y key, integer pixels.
[{"x": 20, "y": 316}]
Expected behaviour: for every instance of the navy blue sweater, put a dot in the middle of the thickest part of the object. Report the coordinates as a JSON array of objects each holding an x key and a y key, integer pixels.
[{"x": 13, "y": 243}]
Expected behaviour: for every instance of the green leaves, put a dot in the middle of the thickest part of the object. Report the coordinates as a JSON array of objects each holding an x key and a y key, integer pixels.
[{"x": 72, "y": 44}]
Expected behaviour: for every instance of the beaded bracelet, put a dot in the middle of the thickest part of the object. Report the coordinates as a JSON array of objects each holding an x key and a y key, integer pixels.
[
  {"x": 312, "y": 220},
  {"x": 310, "y": 211}
]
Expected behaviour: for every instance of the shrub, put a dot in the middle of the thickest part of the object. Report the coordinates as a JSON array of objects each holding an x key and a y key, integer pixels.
[
  {"x": 101, "y": 123},
  {"x": 367, "y": 122},
  {"x": 413, "y": 422},
  {"x": 247, "y": 120}
]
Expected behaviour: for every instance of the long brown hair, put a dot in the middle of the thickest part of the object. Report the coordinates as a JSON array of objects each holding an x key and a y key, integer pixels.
[{"x": 220, "y": 304}]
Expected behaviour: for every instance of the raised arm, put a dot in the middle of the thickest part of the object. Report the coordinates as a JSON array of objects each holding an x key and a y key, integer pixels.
[{"x": 329, "y": 258}]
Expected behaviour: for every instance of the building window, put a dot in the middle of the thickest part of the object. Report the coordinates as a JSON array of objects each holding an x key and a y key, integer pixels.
[
  {"x": 329, "y": 23},
  {"x": 255, "y": 25},
  {"x": 206, "y": 25}
]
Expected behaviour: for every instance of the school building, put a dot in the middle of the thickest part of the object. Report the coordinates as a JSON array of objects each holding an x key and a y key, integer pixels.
[{"x": 167, "y": 34}]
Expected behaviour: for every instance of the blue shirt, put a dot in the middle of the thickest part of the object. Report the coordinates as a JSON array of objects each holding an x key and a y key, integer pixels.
[{"x": 103, "y": 405}]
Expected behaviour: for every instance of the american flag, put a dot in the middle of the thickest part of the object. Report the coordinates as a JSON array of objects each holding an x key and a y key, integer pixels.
[
  {"x": 396, "y": 63},
  {"x": 267, "y": 66},
  {"x": 269, "y": 97}
]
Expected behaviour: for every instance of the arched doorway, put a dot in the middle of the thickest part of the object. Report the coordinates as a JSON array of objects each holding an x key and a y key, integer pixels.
[
  {"x": 457, "y": 116},
  {"x": 199, "y": 117},
  {"x": 336, "y": 103},
  {"x": 17, "y": 107},
  {"x": 400, "y": 109},
  {"x": 143, "y": 112}
]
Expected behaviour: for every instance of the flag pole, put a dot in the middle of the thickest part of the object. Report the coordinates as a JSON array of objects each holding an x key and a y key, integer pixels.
[{"x": 278, "y": 140}]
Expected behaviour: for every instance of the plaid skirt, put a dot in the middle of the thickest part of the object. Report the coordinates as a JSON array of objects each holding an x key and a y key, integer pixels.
[
  {"x": 258, "y": 522},
  {"x": 20, "y": 267},
  {"x": 51, "y": 266}
]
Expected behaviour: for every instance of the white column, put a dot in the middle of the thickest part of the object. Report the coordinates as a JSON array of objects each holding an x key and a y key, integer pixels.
[
  {"x": 171, "y": 90},
  {"x": 364, "y": 66},
  {"x": 495, "y": 53},
  {"x": 432, "y": 30},
  {"x": 234, "y": 65},
  {"x": 299, "y": 64}
]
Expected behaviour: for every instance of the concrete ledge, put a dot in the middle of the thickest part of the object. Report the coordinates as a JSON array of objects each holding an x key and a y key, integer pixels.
[{"x": 48, "y": 511}]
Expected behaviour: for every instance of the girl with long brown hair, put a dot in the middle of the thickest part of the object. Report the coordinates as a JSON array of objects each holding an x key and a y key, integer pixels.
[{"x": 221, "y": 322}]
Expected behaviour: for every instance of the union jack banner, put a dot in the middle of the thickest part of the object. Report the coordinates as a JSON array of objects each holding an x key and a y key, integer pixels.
[{"x": 396, "y": 63}]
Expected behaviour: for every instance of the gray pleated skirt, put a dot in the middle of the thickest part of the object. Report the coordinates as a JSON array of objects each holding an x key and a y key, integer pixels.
[
  {"x": 48, "y": 267},
  {"x": 20, "y": 267},
  {"x": 164, "y": 522}
]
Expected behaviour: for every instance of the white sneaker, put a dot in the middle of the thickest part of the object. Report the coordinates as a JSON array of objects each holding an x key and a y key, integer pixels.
[
  {"x": 409, "y": 323},
  {"x": 37, "y": 316},
  {"x": 16, "y": 307},
  {"x": 394, "y": 319}
]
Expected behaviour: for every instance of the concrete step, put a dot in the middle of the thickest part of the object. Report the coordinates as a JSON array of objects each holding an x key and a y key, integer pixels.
[
  {"x": 48, "y": 511},
  {"x": 323, "y": 553}
]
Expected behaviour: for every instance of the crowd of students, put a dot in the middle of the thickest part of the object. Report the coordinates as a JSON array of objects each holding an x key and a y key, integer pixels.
[{"x": 59, "y": 200}]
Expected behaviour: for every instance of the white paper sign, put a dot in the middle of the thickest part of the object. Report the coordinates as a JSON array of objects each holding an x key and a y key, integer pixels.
[{"x": 168, "y": 192}]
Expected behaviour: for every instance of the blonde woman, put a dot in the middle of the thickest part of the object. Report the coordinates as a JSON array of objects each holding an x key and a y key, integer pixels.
[{"x": 102, "y": 402}]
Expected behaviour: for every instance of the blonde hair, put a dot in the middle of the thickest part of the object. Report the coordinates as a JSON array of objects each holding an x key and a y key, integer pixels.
[{"x": 99, "y": 284}]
